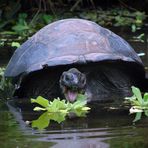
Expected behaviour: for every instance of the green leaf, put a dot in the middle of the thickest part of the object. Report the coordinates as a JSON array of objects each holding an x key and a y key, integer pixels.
[
  {"x": 135, "y": 109},
  {"x": 79, "y": 112},
  {"x": 64, "y": 111},
  {"x": 42, "y": 122},
  {"x": 137, "y": 93},
  {"x": 141, "y": 37},
  {"x": 81, "y": 97},
  {"x": 138, "y": 116},
  {"x": 146, "y": 112},
  {"x": 40, "y": 100},
  {"x": 57, "y": 110},
  {"x": 86, "y": 108},
  {"x": 58, "y": 117},
  {"x": 145, "y": 97},
  {"x": 134, "y": 28},
  {"x": 81, "y": 102},
  {"x": 15, "y": 44},
  {"x": 47, "y": 18},
  {"x": 132, "y": 98},
  {"x": 135, "y": 103},
  {"x": 57, "y": 103},
  {"x": 39, "y": 109},
  {"x": 145, "y": 105},
  {"x": 19, "y": 28}
]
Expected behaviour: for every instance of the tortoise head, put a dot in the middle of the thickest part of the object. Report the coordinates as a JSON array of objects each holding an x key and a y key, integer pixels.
[{"x": 72, "y": 82}]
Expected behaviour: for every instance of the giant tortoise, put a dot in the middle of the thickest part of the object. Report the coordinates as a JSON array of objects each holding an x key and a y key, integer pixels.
[{"x": 74, "y": 56}]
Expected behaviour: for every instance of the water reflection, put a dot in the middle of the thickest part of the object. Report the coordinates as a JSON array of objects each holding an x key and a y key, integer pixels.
[{"x": 98, "y": 130}]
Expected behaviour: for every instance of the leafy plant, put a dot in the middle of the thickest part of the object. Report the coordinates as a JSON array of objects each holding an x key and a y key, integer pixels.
[
  {"x": 140, "y": 16},
  {"x": 22, "y": 27},
  {"x": 57, "y": 110},
  {"x": 47, "y": 18},
  {"x": 139, "y": 103},
  {"x": 116, "y": 17}
]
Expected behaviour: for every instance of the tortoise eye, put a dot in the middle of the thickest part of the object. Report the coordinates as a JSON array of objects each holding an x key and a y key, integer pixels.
[{"x": 67, "y": 77}]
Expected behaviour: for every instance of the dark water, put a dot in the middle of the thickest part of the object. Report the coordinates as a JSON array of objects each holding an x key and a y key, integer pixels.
[
  {"x": 100, "y": 129},
  {"x": 112, "y": 129}
]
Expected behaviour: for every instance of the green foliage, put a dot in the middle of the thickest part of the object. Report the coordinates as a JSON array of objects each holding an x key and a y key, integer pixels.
[
  {"x": 141, "y": 37},
  {"x": 22, "y": 27},
  {"x": 116, "y": 17},
  {"x": 2, "y": 43},
  {"x": 6, "y": 87},
  {"x": 24, "y": 24},
  {"x": 15, "y": 44},
  {"x": 46, "y": 18},
  {"x": 57, "y": 110},
  {"x": 134, "y": 28},
  {"x": 127, "y": 18},
  {"x": 139, "y": 103}
]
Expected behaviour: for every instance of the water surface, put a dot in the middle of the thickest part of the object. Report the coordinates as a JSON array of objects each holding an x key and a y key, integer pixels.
[{"x": 98, "y": 130}]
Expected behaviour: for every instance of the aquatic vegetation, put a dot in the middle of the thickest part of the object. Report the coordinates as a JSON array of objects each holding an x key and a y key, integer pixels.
[
  {"x": 57, "y": 110},
  {"x": 6, "y": 87},
  {"x": 139, "y": 104}
]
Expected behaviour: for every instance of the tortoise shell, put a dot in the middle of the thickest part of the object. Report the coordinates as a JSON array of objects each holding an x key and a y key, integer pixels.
[{"x": 69, "y": 41}]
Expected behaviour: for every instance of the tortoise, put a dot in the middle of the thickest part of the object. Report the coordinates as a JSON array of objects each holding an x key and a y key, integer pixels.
[{"x": 72, "y": 56}]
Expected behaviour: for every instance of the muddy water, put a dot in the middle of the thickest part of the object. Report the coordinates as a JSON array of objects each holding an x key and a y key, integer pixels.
[{"x": 100, "y": 129}]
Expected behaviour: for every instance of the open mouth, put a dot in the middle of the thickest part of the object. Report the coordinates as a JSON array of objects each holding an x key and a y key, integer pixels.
[{"x": 70, "y": 95}]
